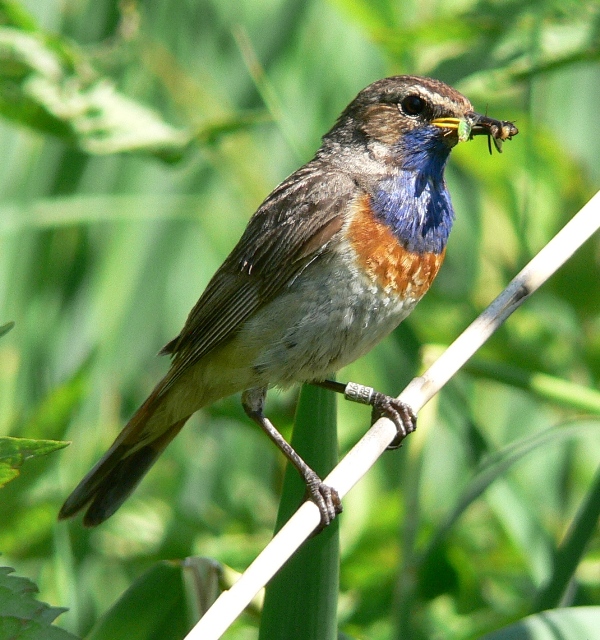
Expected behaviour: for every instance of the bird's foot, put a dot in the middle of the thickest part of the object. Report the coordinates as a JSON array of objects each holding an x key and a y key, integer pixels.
[
  {"x": 398, "y": 412},
  {"x": 325, "y": 497},
  {"x": 384, "y": 406}
]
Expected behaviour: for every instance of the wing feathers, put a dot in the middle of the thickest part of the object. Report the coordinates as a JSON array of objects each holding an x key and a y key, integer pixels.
[{"x": 287, "y": 233}]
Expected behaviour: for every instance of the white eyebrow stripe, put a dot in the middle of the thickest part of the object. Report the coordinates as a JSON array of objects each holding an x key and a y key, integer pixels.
[{"x": 435, "y": 97}]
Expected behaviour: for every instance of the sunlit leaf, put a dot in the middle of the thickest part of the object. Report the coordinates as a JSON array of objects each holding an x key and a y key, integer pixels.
[
  {"x": 12, "y": 14},
  {"x": 575, "y": 623},
  {"x": 47, "y": 85},
  {"x": 14, "y": 452}
]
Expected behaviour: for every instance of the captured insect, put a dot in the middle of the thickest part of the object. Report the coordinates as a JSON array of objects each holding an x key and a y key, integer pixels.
[
  {"x": 475, "y": 124},
  {"x": 464, "y": 130},
  {"x": 499, "y": 134}
]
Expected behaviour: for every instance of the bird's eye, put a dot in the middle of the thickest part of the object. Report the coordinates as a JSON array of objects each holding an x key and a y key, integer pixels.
[{"x": 413, "y": 105}]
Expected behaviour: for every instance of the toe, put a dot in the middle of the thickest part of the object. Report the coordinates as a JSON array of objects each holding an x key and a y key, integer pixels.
[
  {"x": 328, "y": 502},
  {"x": 399, "y": 413}
]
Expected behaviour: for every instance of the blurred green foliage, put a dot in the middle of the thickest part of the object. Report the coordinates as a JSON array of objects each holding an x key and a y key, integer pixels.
[
  {"x": 102, "y": 255},
  {"x": 24, "y": 617}
]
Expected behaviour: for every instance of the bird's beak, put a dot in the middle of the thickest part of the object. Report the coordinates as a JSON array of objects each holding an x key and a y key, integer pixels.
[{"x": 474, "y": 124}]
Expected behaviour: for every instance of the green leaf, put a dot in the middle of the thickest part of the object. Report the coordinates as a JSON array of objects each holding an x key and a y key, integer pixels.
[
  {"x": 548, "y": 387},
  {"x": 14, "y": 451},
  {"x": 301, "y": 600},
  {"x": 496, "y": 464},
  {"x": 22, "y": 617},
  {"x": 47, "y": 85},
  {"x": 572, "y": 548},
  {"x": 12, "y": 14},
  {"x": 5, "y": 328},
  {"x": 153, "y": 608},
  {"x": 574, "y": 623}
]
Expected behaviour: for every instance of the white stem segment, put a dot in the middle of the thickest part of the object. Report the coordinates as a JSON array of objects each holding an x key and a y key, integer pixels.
[{"x": 361, "y": 458}]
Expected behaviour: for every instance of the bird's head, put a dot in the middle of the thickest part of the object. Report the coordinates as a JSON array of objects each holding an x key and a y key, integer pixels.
[{"x": 407, "y": 119}]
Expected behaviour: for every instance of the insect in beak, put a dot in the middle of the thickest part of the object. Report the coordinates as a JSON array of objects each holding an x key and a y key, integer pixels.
[{"x": 475, "y": 124}]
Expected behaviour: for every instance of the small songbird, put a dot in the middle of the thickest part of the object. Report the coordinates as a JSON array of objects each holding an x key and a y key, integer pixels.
[{"x": 333, "y": 260}]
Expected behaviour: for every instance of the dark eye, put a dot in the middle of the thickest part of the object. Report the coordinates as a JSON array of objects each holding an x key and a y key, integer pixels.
[{"x": 413, "y": 105}]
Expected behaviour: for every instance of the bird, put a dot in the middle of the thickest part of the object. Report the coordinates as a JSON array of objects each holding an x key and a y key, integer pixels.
[{"x": 331, "y": 262}]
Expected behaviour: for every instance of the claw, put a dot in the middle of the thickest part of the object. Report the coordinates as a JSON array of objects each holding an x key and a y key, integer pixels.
[
  {"x": 398, "y": 412},
  {"x": 326, "y": 498}
]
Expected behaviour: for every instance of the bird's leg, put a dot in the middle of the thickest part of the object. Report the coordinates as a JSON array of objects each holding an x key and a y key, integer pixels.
[
  {"x": 398, "y": 412},
  {"x": 325, "y": 497}
]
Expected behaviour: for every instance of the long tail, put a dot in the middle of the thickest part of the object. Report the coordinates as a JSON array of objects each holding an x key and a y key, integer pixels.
[{"x": 119, "y": 471}]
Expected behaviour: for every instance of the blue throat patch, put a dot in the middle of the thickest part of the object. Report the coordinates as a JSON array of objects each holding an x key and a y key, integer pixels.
[{"x": 416, "y": 204}]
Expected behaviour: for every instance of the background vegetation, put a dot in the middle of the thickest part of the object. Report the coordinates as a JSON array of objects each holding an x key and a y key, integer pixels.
[{"x": 102, "y": 254}]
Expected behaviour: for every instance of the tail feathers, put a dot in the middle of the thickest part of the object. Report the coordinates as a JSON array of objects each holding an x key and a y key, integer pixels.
[{"x": 116, "y": 475}]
